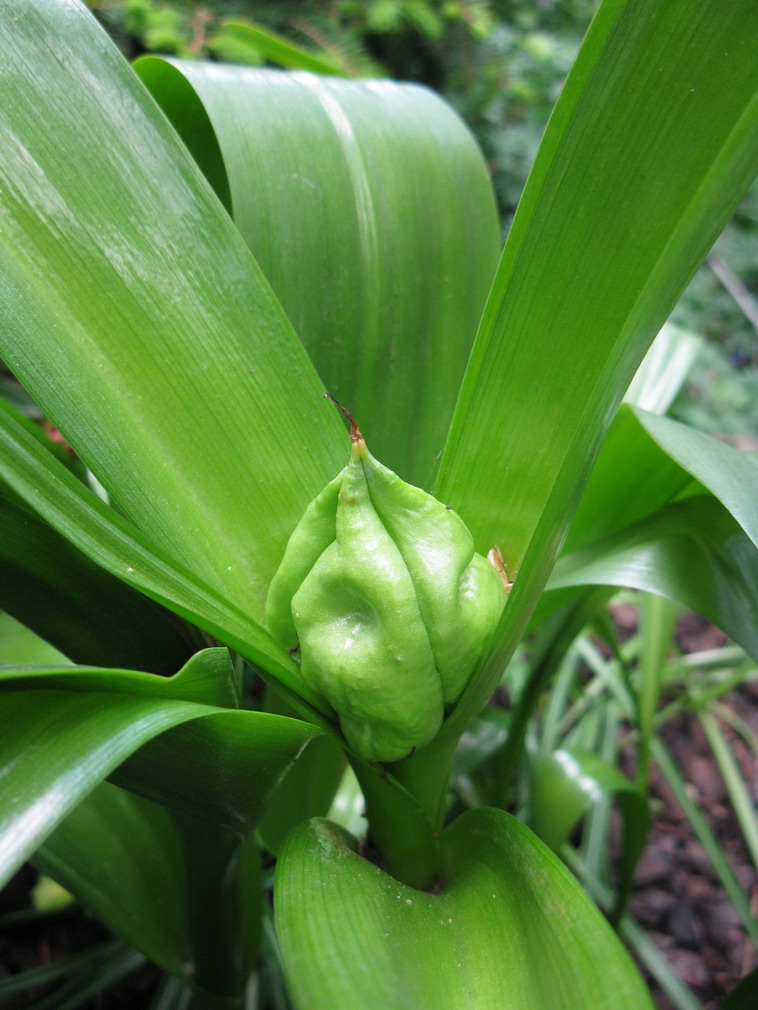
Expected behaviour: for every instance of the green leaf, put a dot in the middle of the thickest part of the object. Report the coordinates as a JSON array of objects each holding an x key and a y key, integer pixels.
[
  {"x": 713, "y": 847},
  {"x": 121, "y": 856},
  {"x": 619, "y": 209},
  {"x": 664, "y": 369},
  {"x": 279, "y": 50},
  {"x": 182, "y": 891},
  {"x": 101, "y": 534},
  {"x": 565, "y": 784},
  {"x": 691, "y": 551},
  {"x": 89, "y": 615},
  {"x": 509, "y": 927},
  {"x": 67, "y": 729},
  {"x": 22, "y": 646},
  {"x": 307, "y": 787},
  {"x": 632, "y": 478},
  {"x": 138, "y": 320},
  {"x": 372, "y": 216},
  {"x": 729, "y": 474}
]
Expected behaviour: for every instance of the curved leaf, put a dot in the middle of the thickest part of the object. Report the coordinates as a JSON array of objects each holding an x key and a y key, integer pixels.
[
  {"x": 632, "y": 478},
  {"x": 138, "y": 320},
  {"x": 729, "y": 474},
  {"x": 565, "y": 784},
  {"x": 692, "y": 551},
  {"x": 509, "y": 928},
  {"x": 121, "y": 856},
  {"x": 664, "y": 369},
  {"x": 369, "y": 209},
  {"x": 619, "y": 209},
  {"x": 89, "y": 615},
  {"x": 66, "y": 730},
  {"x": 279, "y": 50},
  {"x": 184, "y": 892},
  {"x": 101, "y": 534}
]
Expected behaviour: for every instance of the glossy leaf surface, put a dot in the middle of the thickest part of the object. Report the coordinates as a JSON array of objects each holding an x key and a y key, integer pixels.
[
  {"x": 510, "y": 928},
  {"x": 92, "y": 617},
  {"x": 373, "y": 218},
  {"x": 136, "y": 317},
  {"x": 120, "y": 855},
  {"x": 67, "y": 729},
  {"x": 619, "y": 209},
  {"x": 100, "y": 533},
  {"x": 729, "y": 474},
  {"x": 692, "y": 551},
  {"x": 631, "y": 479},
  {"x": 565, "y": 784}
]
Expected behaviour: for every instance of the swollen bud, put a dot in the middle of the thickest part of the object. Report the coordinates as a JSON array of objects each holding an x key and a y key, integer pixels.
[{"x": 382, "y": 594}]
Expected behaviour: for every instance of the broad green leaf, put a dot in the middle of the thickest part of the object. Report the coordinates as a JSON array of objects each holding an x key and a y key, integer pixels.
[
  {"x": 102, "y": 535},
  {"x": 138, "y": 320},
  {"x": 207, "y": 679},
  {"x": 121, "y": 856},
  {"x": 692, "y": 551},
  {"x": 632, "y": 478},
  {"x": 564, "y": 784},
  {"x": 368, "y": 207},
  {"x": 509, "y": 928},
  {"x": 729, "y": 474},
  {"x": 306, "y": 790},
  {"x": 138, "y": 870},
  {"x": 650, "y": 147},
  {"x": 88, "y": 614},
  {"x": 67, "y": 729}
]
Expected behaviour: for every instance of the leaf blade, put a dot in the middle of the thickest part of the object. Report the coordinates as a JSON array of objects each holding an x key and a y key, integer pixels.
[
  {"x": 142, "y": 303},
  {"x": 395, "y": 946},
  {"x": 381, "y": 247},
  {"x": 587, "y": 279}
]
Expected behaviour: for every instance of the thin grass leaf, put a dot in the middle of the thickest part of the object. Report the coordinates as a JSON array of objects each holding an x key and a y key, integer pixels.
[
  {"x": 724, "y": 872},
  {"x": 63, "y": 966},
  {"x": 742, "y": 802},
  {"x": 78, "y": 992}
]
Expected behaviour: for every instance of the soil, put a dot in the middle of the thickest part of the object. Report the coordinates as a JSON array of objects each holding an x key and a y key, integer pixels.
[{"x": 676, "y": 898}]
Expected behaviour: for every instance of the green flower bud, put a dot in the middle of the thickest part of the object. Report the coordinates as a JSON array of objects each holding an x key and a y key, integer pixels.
[{"x": 382, "y": 593}]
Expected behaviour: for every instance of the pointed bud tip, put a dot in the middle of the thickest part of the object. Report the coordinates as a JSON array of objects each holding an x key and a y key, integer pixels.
[{"x": 355, "y": 432}]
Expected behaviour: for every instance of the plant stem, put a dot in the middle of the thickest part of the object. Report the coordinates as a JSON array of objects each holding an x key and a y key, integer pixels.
[{"x": 405, "y": 812}]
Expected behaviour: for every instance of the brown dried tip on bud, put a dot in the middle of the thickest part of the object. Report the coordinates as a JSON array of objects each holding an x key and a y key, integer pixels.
[
  {"x": 495, "y": 558},
  {"x": 355, "y": 432}
]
